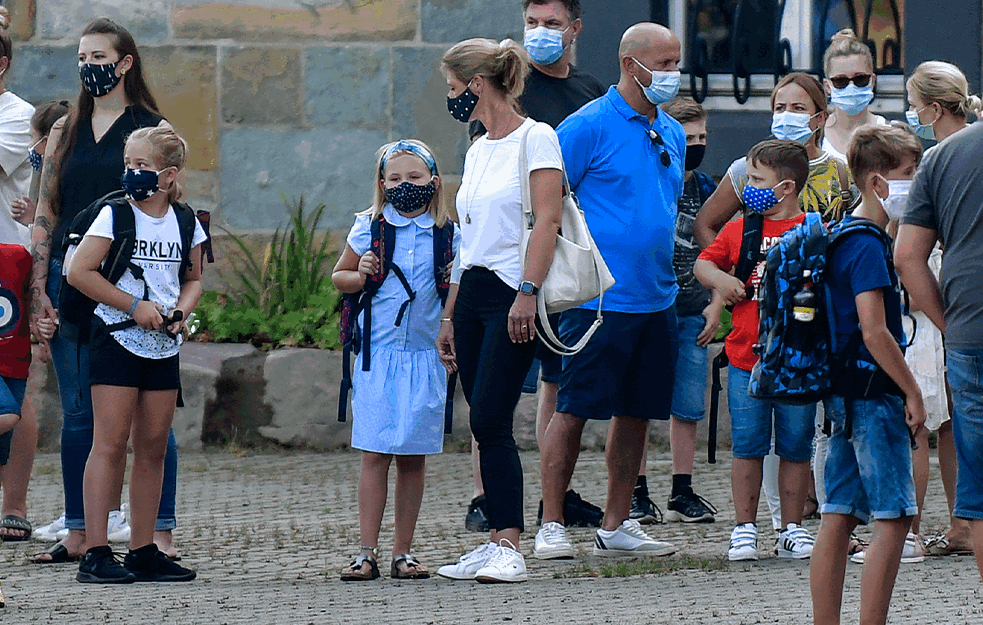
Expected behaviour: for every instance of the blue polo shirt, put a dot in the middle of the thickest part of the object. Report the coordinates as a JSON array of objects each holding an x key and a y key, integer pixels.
[{"x": 628, "y": 196}]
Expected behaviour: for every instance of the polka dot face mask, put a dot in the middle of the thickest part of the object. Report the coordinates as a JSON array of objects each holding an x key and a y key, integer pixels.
[
  {"x": 408, "y": 198},
  {"x": 761, "y": 200},
  {"x": 99, "y": 80},
  {"x": 463, "y": 105}
]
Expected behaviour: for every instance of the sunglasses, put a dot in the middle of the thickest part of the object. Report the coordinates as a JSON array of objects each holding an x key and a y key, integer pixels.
[
  {"x": 657, "y": 140},
  {"x": 840, "y": 82}
]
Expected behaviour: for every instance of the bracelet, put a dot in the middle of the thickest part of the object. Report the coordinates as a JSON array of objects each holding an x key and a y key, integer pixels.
[
  {"x": 133, "y": 306},
  {"x": 443, "y": 319}
]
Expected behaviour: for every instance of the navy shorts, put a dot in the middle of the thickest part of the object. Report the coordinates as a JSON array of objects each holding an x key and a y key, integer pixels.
[
  {"x": 12, "y": 392},
  {"x": 627, "y": 369}
]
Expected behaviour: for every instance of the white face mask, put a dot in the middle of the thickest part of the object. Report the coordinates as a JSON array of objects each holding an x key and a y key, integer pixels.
[{"x": 897, "y": 197}]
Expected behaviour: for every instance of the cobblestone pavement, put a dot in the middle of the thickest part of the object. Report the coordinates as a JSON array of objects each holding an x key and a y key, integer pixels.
[{"x": 269, "y": 533}]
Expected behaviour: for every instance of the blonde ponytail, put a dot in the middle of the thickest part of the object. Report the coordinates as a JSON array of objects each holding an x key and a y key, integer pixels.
[{"x": 505, "y": 64}]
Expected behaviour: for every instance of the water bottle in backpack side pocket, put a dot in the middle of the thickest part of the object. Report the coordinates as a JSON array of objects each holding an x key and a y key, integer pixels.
[{"x": 802, "y": 323}]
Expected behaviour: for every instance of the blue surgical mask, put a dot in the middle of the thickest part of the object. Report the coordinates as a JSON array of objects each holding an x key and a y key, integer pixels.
[
  {"x": 664, "y": 86},
  {"x": 409, "y": 198},
  {"x": 99, "y": 80},
  {"x": 760, "y": 200},
  {"x": 35, "y": 158},
  {"x": 792, "y": 126},
  {"x": 140, "y": 184},
  {"x": 544, "y": 45},
  {"x": 463, "y": 105},
  {"x": 852, "y": 99},
  {"x": 925, "y": 131}
]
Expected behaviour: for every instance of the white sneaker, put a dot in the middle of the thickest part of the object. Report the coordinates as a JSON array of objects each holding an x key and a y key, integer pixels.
[
  {"x": 118, "y": 530},
  {"x": 505, "y": 566},
  {"x": 52, "y": 532},
  {"x": 468, "y": 565},
  {"x": 743, "y": 543},
  {"x": 552, "y": 542},
  {"x": 913, "y": 552},
  {"x": 629, "y": 539},
  {"x": 795, "y": 542}
]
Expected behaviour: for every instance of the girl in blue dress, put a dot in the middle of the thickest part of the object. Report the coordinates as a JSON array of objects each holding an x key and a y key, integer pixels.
[{"x": 398, "y": 404}]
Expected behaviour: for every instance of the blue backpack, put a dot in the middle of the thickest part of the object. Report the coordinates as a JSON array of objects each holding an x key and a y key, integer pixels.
[{"x": 799, "y": 362}]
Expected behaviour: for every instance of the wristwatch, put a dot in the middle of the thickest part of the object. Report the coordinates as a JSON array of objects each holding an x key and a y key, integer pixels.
[{"x": 528, "y": 288}]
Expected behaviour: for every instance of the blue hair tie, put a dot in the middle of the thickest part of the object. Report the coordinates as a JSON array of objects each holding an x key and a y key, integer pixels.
[{"x": 412, "y": 148}]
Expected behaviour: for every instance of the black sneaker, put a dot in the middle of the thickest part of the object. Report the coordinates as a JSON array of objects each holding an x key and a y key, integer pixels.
[
  {"x": 580, "y": 513},
  {"x": 477, "y": 519},
  {"x": 100, "y": 565},
  {"x": 690, "y": 508},
  {"x": 644, "y": 509},
  {"x": 148, "y": 564}
]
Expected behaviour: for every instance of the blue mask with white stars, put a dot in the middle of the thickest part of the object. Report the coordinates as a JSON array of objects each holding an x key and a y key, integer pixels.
[
  {"x": 407, "y": 198},
  {"x": 760, "y": 200},
  {"x": 99, "y": 80}
]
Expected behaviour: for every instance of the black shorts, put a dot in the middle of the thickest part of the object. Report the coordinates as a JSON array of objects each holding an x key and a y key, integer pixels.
[{"x": 113, "y": 365}]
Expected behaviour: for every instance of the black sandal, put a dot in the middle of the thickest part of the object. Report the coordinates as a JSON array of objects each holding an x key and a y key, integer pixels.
[
  {"x": 414, "y": 570},
  {"x": 16, "y": 523},
  {"x": 59, "y": 555},
  {"x": 354, "y": 571}
]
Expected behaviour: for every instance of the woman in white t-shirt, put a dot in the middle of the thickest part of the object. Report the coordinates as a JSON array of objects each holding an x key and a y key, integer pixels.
[
  {"x": 850, "y": 79},
  {"x": 134, "y": 370},
  {"x": 488, "y": 325}
]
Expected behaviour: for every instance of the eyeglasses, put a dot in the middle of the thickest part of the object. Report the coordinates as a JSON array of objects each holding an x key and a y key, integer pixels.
[
  {"x": 840, "y": 82},
  {"x": 657, "y": 140}
]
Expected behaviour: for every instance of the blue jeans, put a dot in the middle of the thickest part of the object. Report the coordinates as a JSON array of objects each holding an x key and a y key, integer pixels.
[
  {"x": 965, "y": 369},
  {"x": 689, "y": 390},
  {"x": 751, "y": 423},
  {"x": 71, "y": 361}
]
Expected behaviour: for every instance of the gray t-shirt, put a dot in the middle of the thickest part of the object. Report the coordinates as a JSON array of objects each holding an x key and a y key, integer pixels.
[{"x": 947, "y": 196}]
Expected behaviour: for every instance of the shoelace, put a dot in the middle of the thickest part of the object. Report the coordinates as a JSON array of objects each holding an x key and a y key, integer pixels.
[
  {"x": 706, "y": 503},
  {"x": 658, "y": 510},
  {"x": 503, "y": 554},
  {"x": 634, "y": 528},
  {"x": 478, "y": 552},
  {"x": 554, "y": 532}
]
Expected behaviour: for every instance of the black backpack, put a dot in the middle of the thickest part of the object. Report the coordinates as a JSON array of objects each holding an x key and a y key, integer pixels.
[
  {"x": 355, "y": 339},
  {"x": 75, "y": 309}
]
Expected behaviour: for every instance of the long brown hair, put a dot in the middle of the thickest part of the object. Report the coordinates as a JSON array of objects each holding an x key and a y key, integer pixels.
[
  {"x": 814, "y": 89},
  {"x": 134, "y": 86}
]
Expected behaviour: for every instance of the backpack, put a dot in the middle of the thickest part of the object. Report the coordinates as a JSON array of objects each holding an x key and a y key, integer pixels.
[
  {"x": 75, "y": 309},
  {"x": 800, "y": 362},
  {"x": 354, "y": 339}
]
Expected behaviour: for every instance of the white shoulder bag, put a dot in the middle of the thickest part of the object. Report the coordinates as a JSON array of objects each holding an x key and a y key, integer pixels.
[{"x": 578, "y": 273}]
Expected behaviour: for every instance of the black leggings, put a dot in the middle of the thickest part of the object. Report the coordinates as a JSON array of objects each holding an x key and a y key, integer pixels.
[{"x": 492, "y": 369}]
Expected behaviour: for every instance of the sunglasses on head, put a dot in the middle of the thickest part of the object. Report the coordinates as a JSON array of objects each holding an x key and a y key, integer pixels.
[
  {"x": 840, "y": 82},
  {"x": 657, "y": 140}
]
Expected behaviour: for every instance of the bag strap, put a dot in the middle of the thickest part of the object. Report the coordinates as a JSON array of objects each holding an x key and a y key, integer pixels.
[
  {"x": 443, "y": 255},
  {"x": 186, "y": 226},
  {"x": 846, "y": 198}
]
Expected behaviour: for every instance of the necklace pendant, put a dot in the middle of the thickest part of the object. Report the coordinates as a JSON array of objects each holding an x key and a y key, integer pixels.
[{"x": 467, "y": 219}]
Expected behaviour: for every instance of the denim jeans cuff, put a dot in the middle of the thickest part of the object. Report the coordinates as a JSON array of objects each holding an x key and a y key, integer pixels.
[{"x": 165, "y": 524}]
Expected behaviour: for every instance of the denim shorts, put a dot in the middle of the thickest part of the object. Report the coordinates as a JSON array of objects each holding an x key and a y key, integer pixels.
[
  {"x": 751, "y": 423},
  {"x": 965, "y": 372},
  {"x": 626, "y": 369},
  {"x": 11, "y": 399},
  {"x": 869, "y": 475},
  {"x": 689, "y": 391}
]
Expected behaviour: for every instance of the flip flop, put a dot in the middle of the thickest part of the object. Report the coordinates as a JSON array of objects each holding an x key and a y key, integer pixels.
[
  {"x": 354, "y": 571},
  {"x": 17, "y": 523},
  {"x": 59, "y": 555},
  {"x": 413, "y": 569},
  {"x": 939, "y": 545}
]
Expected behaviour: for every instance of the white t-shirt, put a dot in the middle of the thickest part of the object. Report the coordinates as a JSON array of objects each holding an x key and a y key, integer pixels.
[
  {"x": 15, "y": 181},
  {"x": 158, "y": 253},
  {"x": 489, "y": 202},
  {"x": 828, "y": 148}
]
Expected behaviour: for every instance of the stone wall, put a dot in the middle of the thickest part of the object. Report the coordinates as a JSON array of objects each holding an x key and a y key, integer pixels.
[{"x": 276, "y": 97}]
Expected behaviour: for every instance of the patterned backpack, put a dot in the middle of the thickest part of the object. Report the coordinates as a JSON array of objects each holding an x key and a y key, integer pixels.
[
  {"x": 799, "y": 362},
  {"x": 352, "y": 336}
]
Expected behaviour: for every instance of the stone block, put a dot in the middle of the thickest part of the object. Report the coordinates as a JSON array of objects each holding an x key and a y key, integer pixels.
[
  {"x": 236, "y": 410},
  {"x": 302, "y": 387},
  {"x": 420, "y": 106},
  {"x": 338, "y": 77},
  {"x": 277, "y": 21},
  {"x": 262, "y": 86},
  {"x": 325, "y": 166},
  {"x": 183, "y": 80},
  {"x": 200, "y": 186},
  {"x": 450, "y": 21},
  {"x": 42, "y": 73},
  {"x": 146, "y": 20},
  {"x": 198, "y": 386},
  {"x": 22, "y": 16}
]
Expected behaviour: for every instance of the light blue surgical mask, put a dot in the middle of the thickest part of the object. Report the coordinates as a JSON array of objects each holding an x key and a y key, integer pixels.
[
  {"x": 664, "y": 86},
  {"x": 544, "y": 45},
  {"x": 792, "y": 126},
  {"x": 852, "y": 99},
  {"x": 925, "y": 131}
]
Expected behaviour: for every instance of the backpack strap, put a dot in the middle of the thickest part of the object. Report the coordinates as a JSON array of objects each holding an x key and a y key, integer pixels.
[
  {"x": 443, "y": 256},
  {"x": 846, "y": 198},
  {"x": 186, "y": 226},
  {"x": 750, "y": 254},
  {"x": 706, "y": 185},
  {"x": 120, "y": 256}
]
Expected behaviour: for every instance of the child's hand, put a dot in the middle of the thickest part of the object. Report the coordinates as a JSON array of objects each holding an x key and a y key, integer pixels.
[
  {"x": 731, "y": 289},
  {"x": 914, "y": 413},
  {"x": 712, "y": 315},
  {"x": 149, "y": 315},
  {"x": 368, "y": 265},
  {"x": 46, "y": 329},
  {"x": 445, "y": 346},
  {"x": 22, "y": 210}
]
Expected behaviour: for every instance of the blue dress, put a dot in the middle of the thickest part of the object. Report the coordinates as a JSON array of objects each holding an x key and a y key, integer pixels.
[{"x": 398, "y": 405}]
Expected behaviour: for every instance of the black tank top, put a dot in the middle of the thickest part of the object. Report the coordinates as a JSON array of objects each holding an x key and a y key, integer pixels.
[{"x": 93, "y": 169}]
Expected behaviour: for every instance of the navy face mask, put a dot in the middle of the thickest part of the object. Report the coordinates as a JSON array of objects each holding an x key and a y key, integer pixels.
[
  {"x": 99, "y": 80},
  {"x": 35, "y": 158},
  {"x": 408, "y": 197},
  {"x": 463, "y": 105},
  {"x": 140, "y": 184}
]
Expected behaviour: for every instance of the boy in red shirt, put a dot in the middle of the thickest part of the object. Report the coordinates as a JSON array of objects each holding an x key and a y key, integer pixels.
[
  {"x": 15, "y": 339},
  {"x": 777, "y": 172}
]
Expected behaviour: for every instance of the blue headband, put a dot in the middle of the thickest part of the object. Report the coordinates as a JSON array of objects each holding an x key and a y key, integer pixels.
[{"x": 412, "y": 148}]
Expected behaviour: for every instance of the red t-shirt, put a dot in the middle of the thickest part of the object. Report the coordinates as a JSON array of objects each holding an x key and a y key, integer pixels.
[
  {"x": 15, "y": 334},
  {"x": 724, "y": 252}
]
